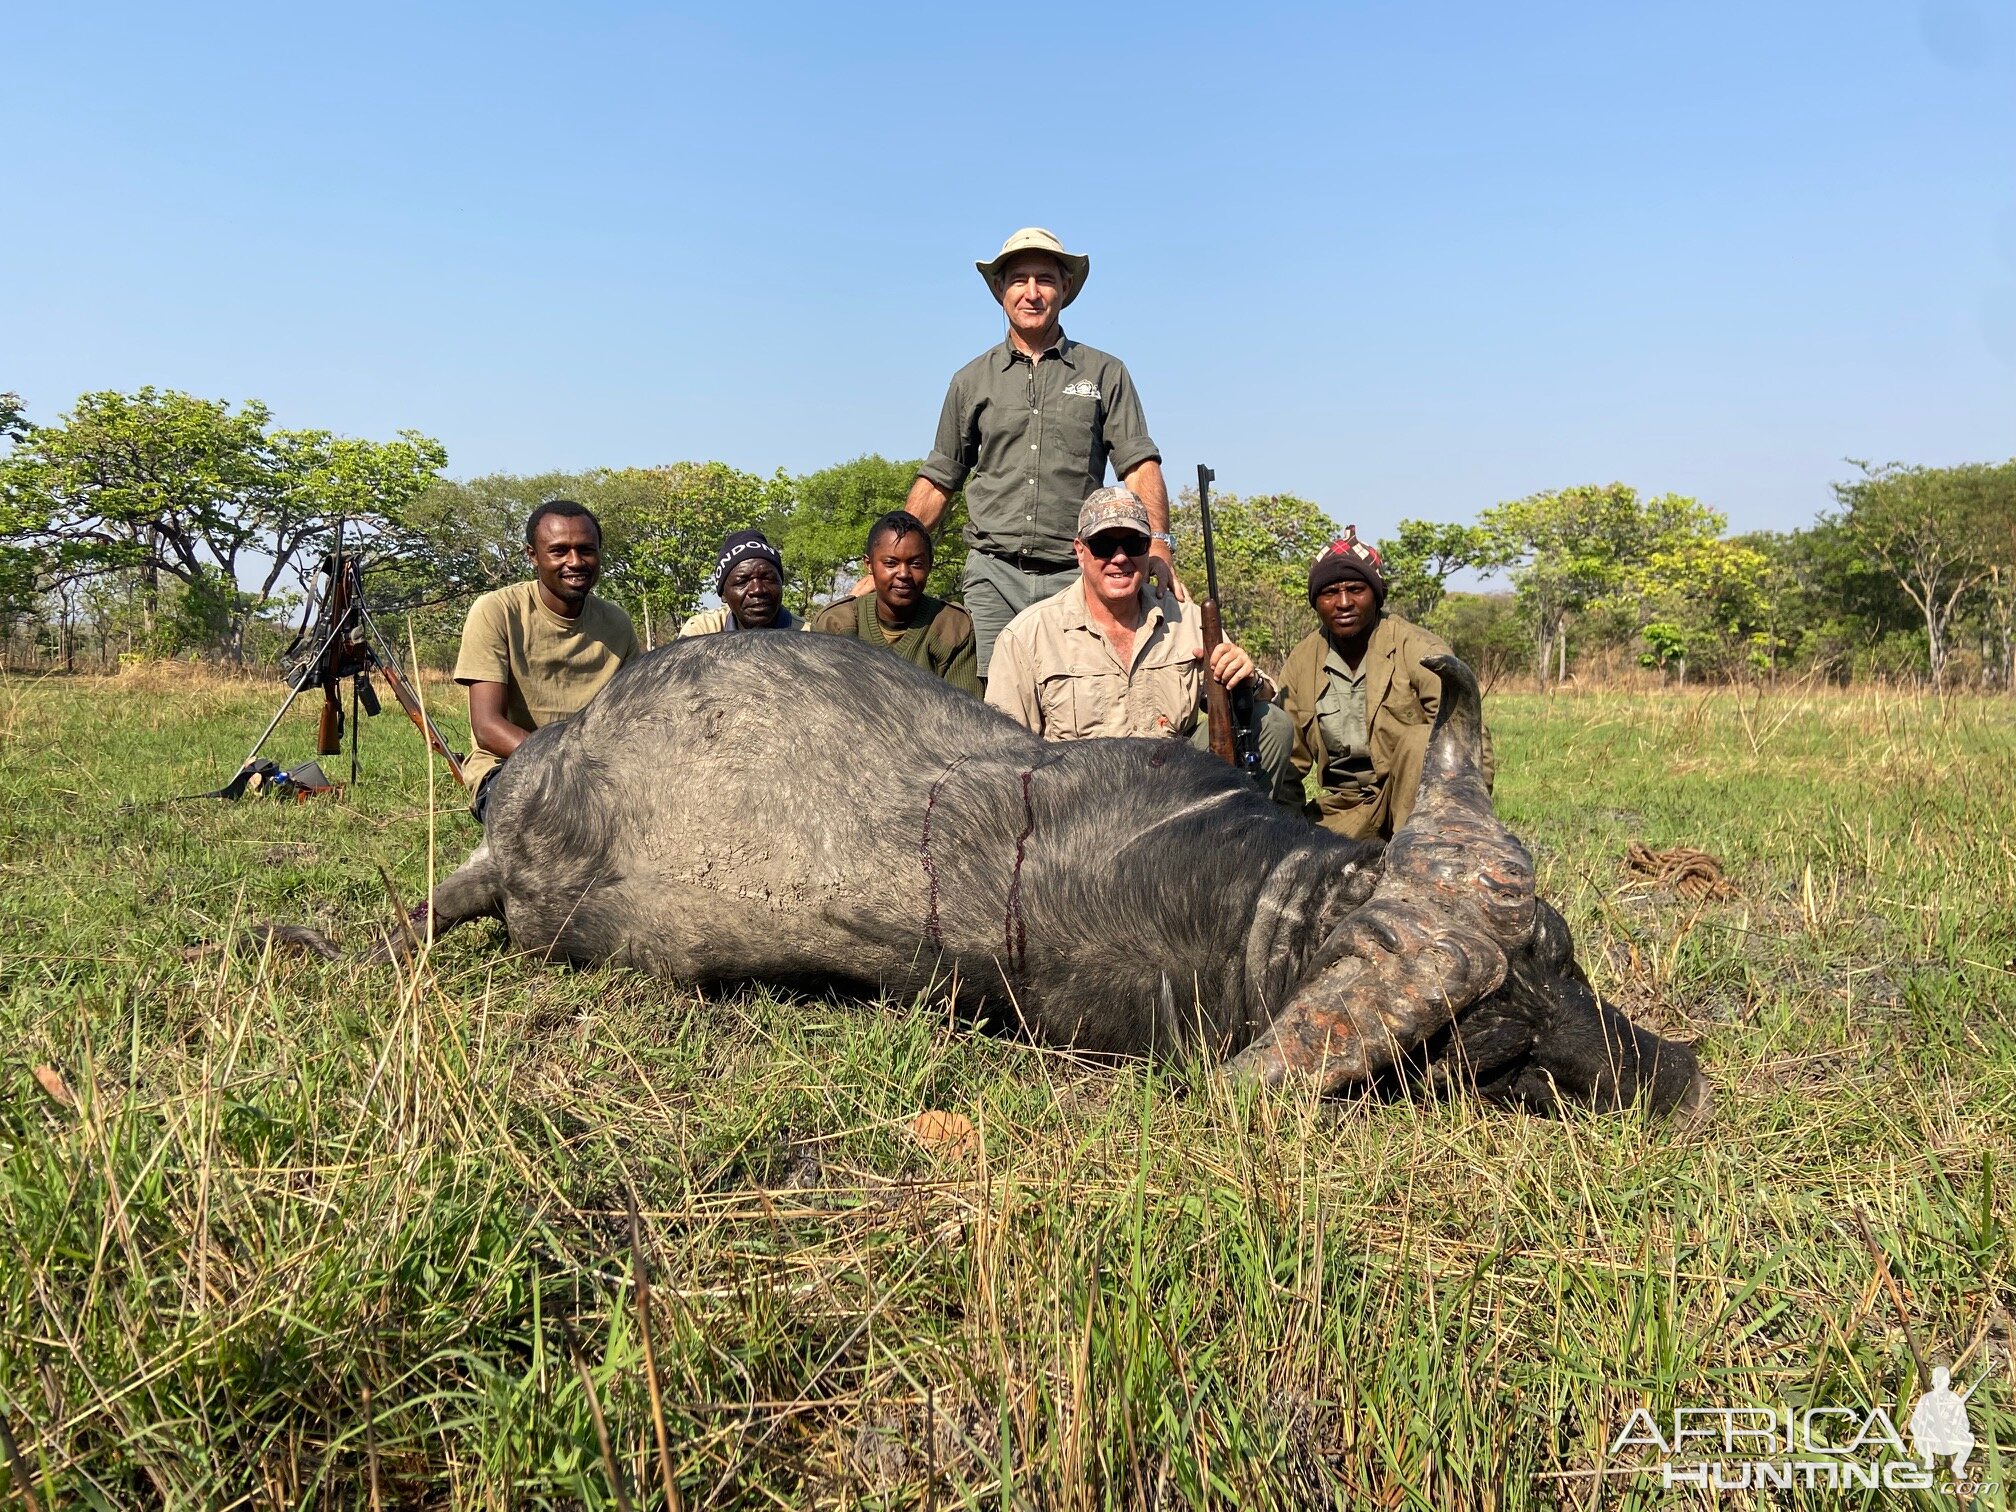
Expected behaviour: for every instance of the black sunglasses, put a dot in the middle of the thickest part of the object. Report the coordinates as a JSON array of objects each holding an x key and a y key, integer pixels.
[{"x": 1104, "y": 544}]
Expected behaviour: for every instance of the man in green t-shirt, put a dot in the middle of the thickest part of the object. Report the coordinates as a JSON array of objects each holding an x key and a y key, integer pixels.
[
  {"x": 534, "y": 653},
  {"x": 899, "y": 615}
]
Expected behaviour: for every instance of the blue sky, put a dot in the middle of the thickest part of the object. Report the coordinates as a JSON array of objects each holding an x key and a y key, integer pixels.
[{"x": 1403, "y": 259}]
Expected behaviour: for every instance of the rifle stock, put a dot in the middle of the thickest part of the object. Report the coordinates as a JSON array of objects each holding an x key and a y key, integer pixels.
[
  {"x": 409, "y": 700},
  {"x": 329, "y": 732},
  {"x": 1217, "y": 700}
]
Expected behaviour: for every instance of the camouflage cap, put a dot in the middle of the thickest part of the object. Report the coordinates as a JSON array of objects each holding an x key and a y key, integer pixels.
[
  {"x": 1108, "y": 508},
  {"x": 1076, "y": 265}
]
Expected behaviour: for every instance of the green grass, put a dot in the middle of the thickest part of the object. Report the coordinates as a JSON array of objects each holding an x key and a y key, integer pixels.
[{"x": 309, "y": 1235}]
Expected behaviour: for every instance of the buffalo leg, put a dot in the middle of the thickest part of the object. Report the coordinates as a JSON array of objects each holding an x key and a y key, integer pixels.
[{"x": 471, "y": 891}]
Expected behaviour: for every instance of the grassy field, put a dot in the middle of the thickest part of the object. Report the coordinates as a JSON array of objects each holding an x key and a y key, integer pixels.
[{"x": 284, "y": 1233}]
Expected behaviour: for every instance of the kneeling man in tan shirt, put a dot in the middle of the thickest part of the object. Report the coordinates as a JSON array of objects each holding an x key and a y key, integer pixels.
[
  {"x": 536, "y": 652},
  {"x": 1113, "y": 655}
]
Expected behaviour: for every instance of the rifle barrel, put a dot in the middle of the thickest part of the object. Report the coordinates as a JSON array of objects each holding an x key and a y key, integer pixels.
[
  {"x": 1205, "y": 477},
  {"x": 1217, "y": 701}
]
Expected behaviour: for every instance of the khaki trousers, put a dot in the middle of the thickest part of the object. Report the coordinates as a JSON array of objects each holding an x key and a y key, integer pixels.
[{"x": 1382, "y": 806}]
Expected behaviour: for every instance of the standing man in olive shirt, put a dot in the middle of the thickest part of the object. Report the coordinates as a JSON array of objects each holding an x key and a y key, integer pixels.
[
  {"x": 899, "y": 615},
  {"x": 1028, "y": 428},
  {"x": 534, "y": 653}
]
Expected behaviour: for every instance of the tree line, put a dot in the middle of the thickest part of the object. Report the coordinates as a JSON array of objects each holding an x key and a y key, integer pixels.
[{"x": 158, "y": 523}]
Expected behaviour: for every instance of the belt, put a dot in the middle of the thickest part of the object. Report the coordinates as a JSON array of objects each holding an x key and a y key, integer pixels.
[{"x": 1022, "y": 561}]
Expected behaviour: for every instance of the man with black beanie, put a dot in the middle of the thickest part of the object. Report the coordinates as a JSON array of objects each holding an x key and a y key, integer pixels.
[
  {"x": 1361, "y": 699},
  {"x": 749, "y": 577}
]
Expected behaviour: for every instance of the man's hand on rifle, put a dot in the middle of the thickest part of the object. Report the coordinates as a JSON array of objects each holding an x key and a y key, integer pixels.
[{"x": 1230, "y": 667}]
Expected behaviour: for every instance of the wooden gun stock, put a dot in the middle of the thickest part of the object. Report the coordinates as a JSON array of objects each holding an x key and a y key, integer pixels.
[
  {"x": 329, "y": 733},
  {"x": 1217, "y": 701},
  {"x": 1217, "y": 698},
  {"x": 409, "y": 700}
]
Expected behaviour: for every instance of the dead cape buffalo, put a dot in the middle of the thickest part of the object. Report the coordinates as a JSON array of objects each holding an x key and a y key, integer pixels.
[{"x": 798, "y": 809}]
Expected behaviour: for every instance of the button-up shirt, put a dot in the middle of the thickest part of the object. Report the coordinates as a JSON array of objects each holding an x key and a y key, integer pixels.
[
  {"x": 1346, "y": 727},
  {"x": 1030, "y": 439},
  {"x": 1054, "y": 673}
]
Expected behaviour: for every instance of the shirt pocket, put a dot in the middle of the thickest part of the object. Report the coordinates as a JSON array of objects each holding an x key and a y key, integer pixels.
[
  {"x": 1059, "y": 707},
  {"x": 1173, "y": 684},
  {"x": 1080, "y": 705},
  {"x": 1404, "y": 710},
  {"x": 1075, "y": 421}
]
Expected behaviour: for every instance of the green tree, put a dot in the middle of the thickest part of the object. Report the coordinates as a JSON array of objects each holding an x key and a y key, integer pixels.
[
  {"x": 1264, "y": 545},
  {"x": 1704, "y": 599},
  {"x": 1935, "y": 531},
  {"x": 17, "y": 563},
  {"x": 1573, "y": 549},
  {"x": 1484, "y": 629},
  {"x": 183, "y": 490},
  {"x": 1423, "y": 556},
  {"x": 1831, "y": 606}
]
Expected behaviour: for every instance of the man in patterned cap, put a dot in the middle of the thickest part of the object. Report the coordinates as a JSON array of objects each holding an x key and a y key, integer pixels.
[
  {"x": 749, "y": 577},
  {"x": 1028, "y": 429},
  {"x": 1114, "y": 655},
  {"x": 1360, "y": 699}
]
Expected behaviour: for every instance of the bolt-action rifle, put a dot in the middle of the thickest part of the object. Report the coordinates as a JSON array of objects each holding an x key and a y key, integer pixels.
[{"x": 1234, "y": 721}]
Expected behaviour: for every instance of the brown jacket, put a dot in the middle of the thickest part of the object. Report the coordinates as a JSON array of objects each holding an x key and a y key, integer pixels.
[{"x": 1401, "y": 699}]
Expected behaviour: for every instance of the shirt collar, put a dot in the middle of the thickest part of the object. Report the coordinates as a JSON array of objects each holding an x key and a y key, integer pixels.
[
  {"x": 1333, "y": 660},
  {"x": 1063, "y": 346}
]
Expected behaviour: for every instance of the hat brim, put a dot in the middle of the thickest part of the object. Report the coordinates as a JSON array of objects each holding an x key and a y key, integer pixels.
[{"x": 1077, "y": 267}]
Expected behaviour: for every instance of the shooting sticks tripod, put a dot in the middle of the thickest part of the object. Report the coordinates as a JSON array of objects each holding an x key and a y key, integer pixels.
[{"x": 343, "y": 641}]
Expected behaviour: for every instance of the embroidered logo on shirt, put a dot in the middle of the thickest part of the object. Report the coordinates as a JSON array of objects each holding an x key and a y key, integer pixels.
[{"x": 1083, "y": 388}]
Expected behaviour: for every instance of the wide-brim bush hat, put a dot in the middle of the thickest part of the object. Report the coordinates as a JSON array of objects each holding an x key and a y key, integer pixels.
[{"x": 1077, "y": 266}]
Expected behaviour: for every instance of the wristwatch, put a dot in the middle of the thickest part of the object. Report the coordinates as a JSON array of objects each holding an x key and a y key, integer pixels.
[{"x": 1165, "y": 538}]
